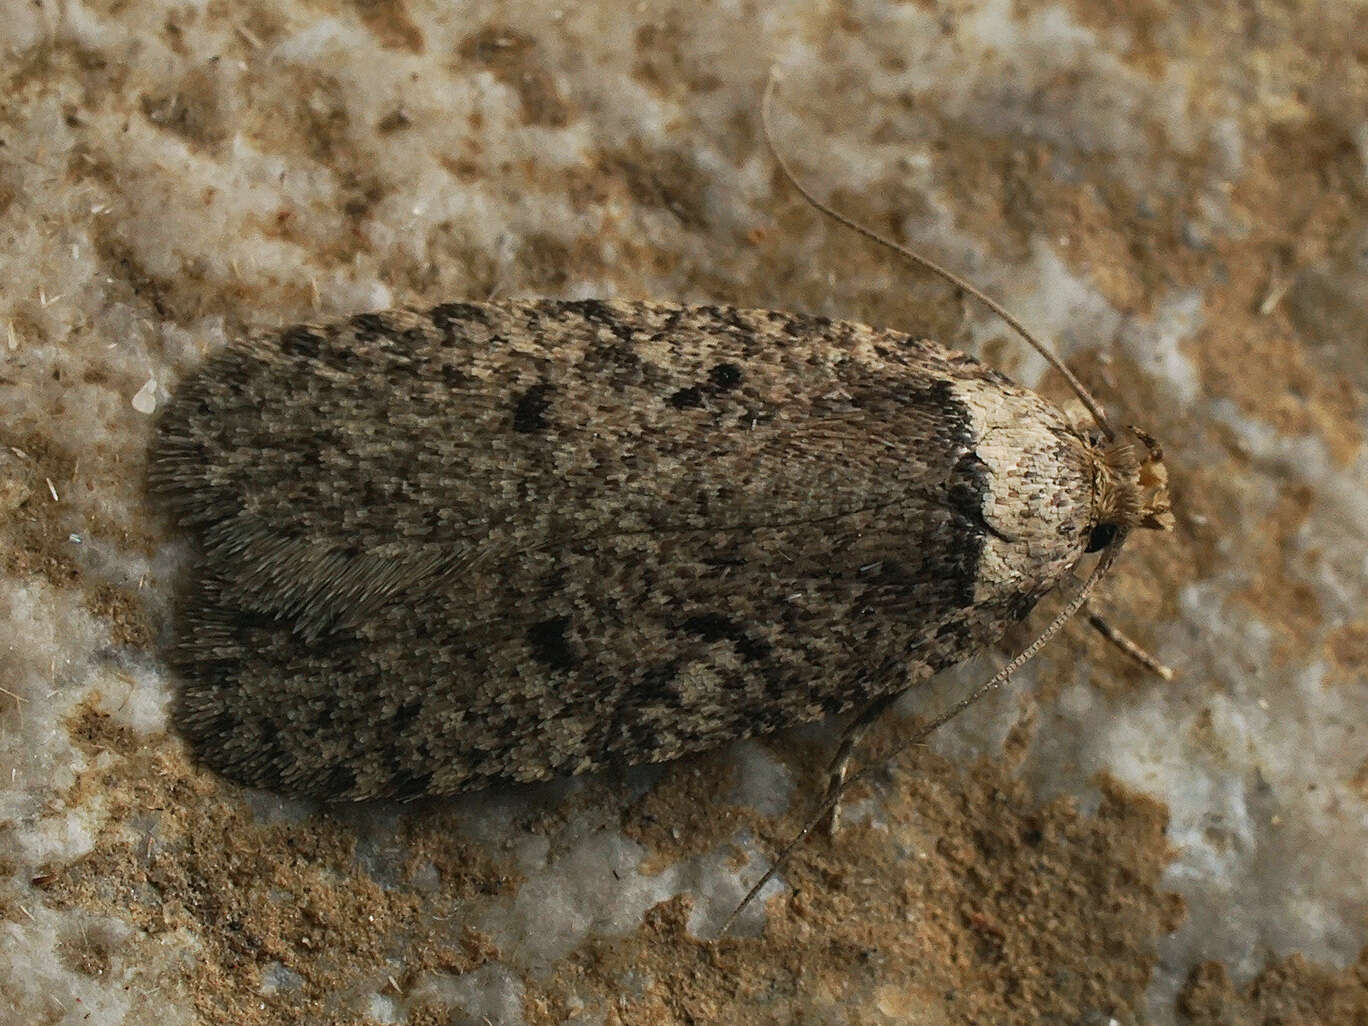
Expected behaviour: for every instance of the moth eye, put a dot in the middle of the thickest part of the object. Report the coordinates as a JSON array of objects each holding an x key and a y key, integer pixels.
[{"x": 1100, "y": 537}]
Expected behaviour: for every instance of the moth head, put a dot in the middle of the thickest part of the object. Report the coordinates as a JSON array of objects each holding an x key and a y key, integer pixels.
[{"x": 1130, "y": 487}]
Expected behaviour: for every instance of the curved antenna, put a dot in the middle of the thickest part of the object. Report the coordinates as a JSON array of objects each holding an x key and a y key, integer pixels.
[
  {"x": 1076, "y": 603},
  {"x": 1093, "y": 406}
]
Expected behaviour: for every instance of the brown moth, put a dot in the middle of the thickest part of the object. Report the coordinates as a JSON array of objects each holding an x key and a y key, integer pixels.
[{"x": 446, "y": 548}]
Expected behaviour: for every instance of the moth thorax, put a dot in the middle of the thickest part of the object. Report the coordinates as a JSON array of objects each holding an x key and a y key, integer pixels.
[{"x": 1130, "y": 487}]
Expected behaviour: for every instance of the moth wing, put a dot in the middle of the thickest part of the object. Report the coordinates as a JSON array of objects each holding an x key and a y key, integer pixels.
[{"x": 510, "y": 541}]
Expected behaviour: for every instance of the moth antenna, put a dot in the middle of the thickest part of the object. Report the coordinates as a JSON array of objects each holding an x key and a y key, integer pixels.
[
  {"x": 1131, "y": 649},
  {"x": 1076, "y": 603},
  {"x": 1092, "y": 405}
]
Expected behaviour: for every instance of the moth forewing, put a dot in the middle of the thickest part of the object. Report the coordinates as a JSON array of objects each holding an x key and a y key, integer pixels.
[{"x": 502, "y": 542}]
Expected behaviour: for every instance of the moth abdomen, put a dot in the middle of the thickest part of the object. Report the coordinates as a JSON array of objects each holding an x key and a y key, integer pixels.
[{"x": 512, "y": 540}]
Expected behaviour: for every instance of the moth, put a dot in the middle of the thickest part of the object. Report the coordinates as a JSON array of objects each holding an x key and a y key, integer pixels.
[{"x": 479, "y": 543}]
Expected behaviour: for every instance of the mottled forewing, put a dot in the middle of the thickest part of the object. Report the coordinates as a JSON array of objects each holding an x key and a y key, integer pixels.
[{"x": 506, "y": 541}]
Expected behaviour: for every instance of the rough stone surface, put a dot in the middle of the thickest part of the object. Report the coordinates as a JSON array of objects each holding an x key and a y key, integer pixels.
[{"x": 1175, "y": 194}]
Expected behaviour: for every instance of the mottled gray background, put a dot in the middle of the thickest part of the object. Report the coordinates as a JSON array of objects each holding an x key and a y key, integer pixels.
[{"x": 1174, "y": 193}]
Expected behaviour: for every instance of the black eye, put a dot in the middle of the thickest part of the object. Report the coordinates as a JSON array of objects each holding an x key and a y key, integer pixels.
[{"x": 1100, "y": 537}]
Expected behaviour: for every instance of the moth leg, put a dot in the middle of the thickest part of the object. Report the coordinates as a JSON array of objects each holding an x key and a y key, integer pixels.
[
  {"x": 840, "y": 763},
  {"x": 1126, "y": 645}
]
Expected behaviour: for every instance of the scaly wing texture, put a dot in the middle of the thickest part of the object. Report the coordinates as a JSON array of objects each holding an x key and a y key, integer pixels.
[{"x": 493, "y": 542}]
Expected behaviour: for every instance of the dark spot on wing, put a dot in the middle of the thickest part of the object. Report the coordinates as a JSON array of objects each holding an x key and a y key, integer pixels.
[
  {"x": 686, "y": 399},
  {"x": 724, "y": 377},
  {"x": 715, "y": 627},
  {"x": 549, "y": 644},
  {"x": 529, "y": 415}
]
